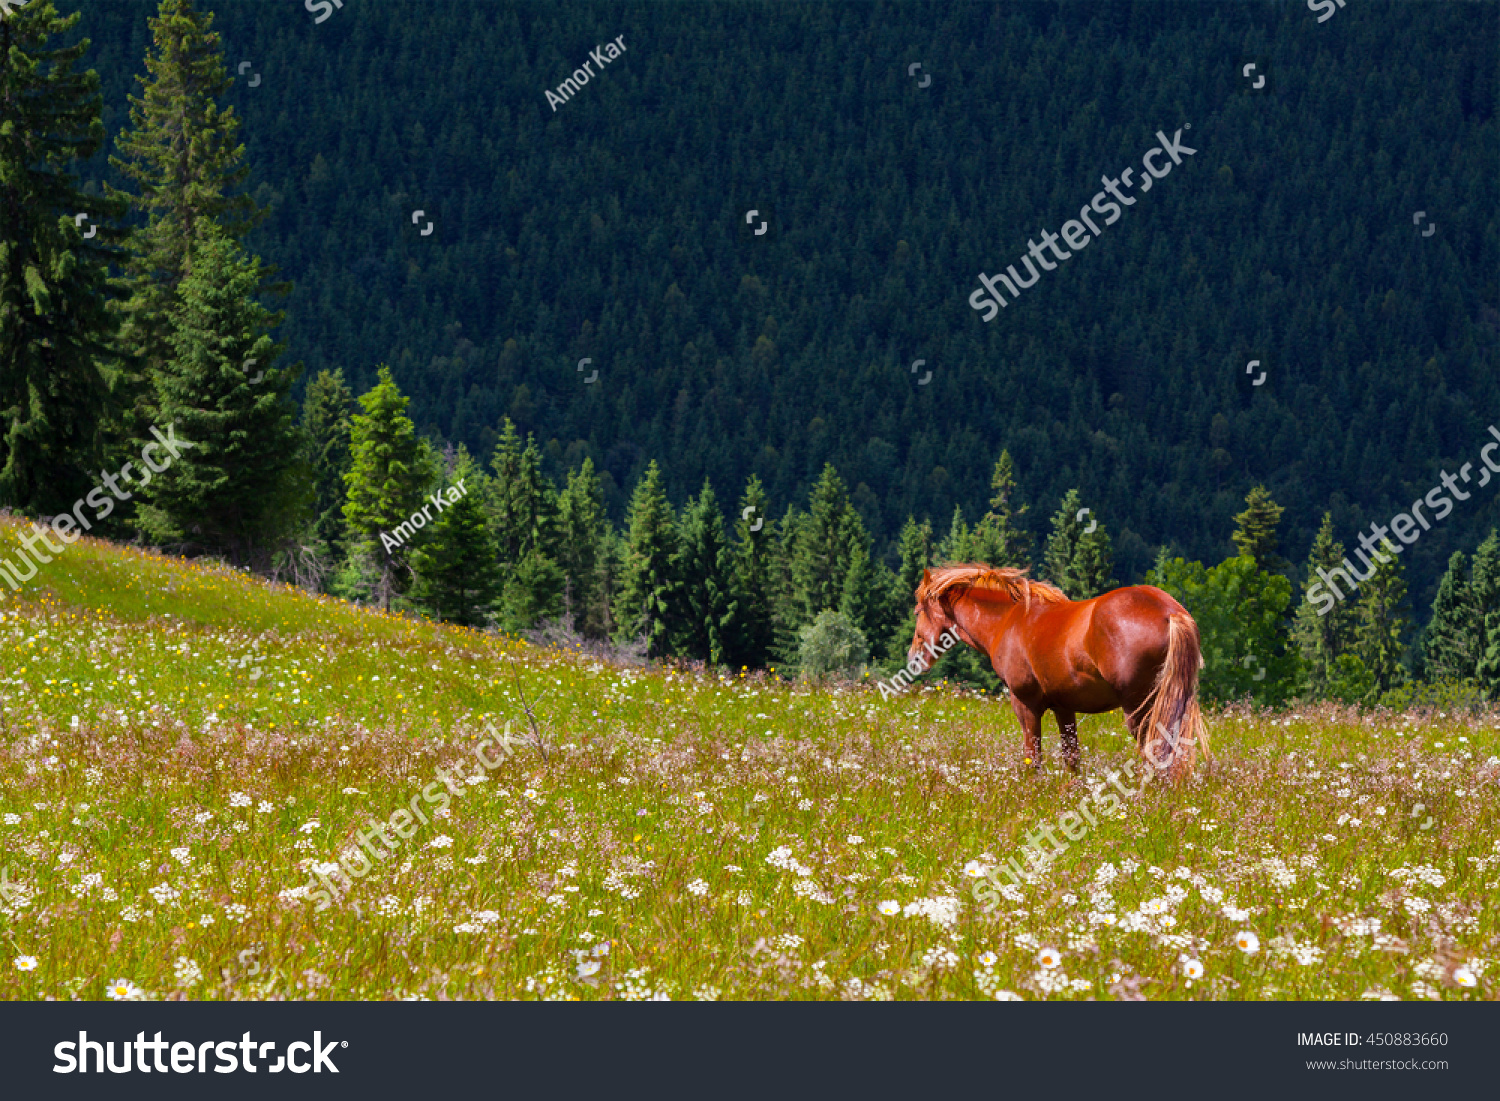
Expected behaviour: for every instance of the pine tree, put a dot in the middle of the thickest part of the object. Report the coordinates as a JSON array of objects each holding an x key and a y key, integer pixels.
[
  {"x": 182, "y": 156},
  {"x": 1095, "y": 563},
  {"x": 1383, "y": 620},
  {"x": 523, "y": 501},
  {"x": 56, "y": 331},
  {"x": 506, "y": 463},
  {"x": 1485, "y": 589},
  {"x": 916, "y": 553},
  {"x": 327, "y": 410},
  {"x": 957, "y": 545},
  {"x": 456, "y": 576},
  {"x": 580, "y": 538},
  {"x": 1076, "y": 560},
  {"x": 533, "y": 591},
  {"x": 826, "y": 539},
  {"x": 647, "y": 603},
  {"x": 998, "y": 539},
  {"x": 1255, "y": 531},
  {"x": 244, "y": 481},
  {"x": 868, "y": 599},
  {"x": 385, "y": 482},
  {"x": 607, "y": 569},
  {"x": 786, "y": 617},
  {"x": 704, "y": 565},
  {"x": 755, "y": 571},
  {"x": 1454, "y": 638},
  {"x": 1322, "y": 638}
]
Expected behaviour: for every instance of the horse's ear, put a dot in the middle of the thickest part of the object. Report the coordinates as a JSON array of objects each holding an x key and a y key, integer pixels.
[{"x": 926, "y": 576}]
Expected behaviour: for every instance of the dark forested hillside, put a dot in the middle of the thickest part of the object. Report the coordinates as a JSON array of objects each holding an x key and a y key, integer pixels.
[{"x": 613, "y": 228}]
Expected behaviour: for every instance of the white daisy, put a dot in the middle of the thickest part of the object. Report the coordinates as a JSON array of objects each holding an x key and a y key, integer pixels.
[
  {"x": 1049, "y": 957},
  {"x": 1247, "y": 942},
  {"x": 29, "y": 963},
  {"x": 889, "y": 907},
  {"x": 123, "y": 990},
  {"x": 1192, "y": 969}
]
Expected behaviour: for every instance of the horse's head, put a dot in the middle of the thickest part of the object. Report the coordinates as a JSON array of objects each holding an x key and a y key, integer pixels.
[{"x": 936, "y": 632}]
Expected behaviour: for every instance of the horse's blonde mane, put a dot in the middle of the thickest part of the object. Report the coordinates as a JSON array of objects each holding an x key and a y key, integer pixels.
[{"x": 973, "y": 575}]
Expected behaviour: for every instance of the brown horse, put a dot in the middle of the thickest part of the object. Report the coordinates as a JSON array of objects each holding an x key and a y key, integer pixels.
[{"x": 1134, "y": 648}]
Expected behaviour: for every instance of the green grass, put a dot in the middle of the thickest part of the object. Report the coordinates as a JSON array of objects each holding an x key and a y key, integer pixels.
[{"x": 144, "y": 700}]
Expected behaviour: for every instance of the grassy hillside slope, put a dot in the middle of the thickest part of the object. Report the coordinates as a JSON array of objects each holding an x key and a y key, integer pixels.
[{"x": 181, "y": 745}]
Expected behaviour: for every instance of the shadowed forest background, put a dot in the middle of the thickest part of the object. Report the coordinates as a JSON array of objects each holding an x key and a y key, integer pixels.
[{"x": 773, "y": 373}]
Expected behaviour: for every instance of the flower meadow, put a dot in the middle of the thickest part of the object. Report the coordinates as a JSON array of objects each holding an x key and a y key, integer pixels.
[{"x": 187, "y": 753}]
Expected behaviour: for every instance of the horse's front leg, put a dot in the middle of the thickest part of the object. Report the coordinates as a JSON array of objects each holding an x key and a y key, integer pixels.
[
  {"x": 1031, "y": 729},
  {"x": 1067, "y": 723}
]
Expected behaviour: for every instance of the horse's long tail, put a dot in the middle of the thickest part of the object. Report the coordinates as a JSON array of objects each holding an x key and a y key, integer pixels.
[{"x": 1173, "y": 715}]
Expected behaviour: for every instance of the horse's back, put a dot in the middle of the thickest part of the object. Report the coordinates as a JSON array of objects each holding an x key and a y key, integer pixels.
[{"x": 1129, "y": 630}]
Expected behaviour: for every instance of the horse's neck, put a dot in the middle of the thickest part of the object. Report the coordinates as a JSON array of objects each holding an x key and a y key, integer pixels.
[{"x": 985, "y": 620}]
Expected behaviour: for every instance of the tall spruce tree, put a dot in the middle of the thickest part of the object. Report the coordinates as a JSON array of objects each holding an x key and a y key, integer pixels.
[
  {"x": 523, "y": 507},
  {"x": 385, "y": 482},
  {"x": 1454, "y": 639},
  {"x": 456, "y": 576},
  {"x": 786, "y": 617},
  {"x": 915, "y": 551},
  {"x": 1255, "y": 531},
  {"x": 869, "y": 600},
  {"x": 327, "y": 422},
  {"x": 523, "y": 501},
  {"x": 607, "y": 569},
  {"x": 56, "y": 331},
  {"x": 1485, "y": 589},
  {"x": 1323, "y": 633},
  {"x": 1383, "y": 620},
  {"x": 243, "y": 483},
  {"x": 825, "y": 543},
  {"x": 755, "y": 570},
  {"x": 533, "y": 592},
  {"x": 705, "y": 568},
  {"x": 1078, "y": 561},
  {"x": 184, "y": 163},
  {"x": 999, "y": 539},
  {"x": 648, "y": 602},
  {"x": 957, "y": 545},
  {"x": 580, "y": 544}
]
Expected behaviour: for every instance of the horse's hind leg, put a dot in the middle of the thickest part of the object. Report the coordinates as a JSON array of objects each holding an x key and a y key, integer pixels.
[
  {"x": 1031, "y": 729},
  {"x": 1067, "y": 723}
]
